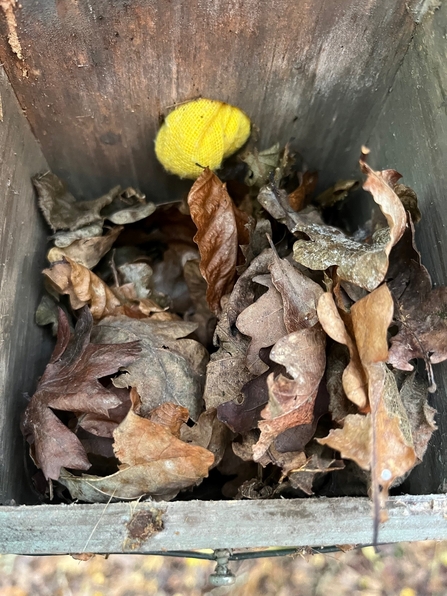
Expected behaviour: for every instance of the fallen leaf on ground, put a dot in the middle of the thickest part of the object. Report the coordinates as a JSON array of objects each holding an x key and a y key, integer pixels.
[
  {"x": 291, "y": 401},
  {"x": 60, "y": 208},
  {"x": 209, "y": 432}
]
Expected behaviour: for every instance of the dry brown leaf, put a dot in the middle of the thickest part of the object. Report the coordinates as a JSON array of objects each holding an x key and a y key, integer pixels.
[
  {"x": 299, "y": 294},
  {"x": 83, "y": 287},
  {"x": 421, "y": 312},
  {"x": 364, "y": 265},
  {"x": 353, "y": 441},
  {"x": 60, "y": 208},
  {"x": 153, "y": 462},
  {"x": 226, "y": 372},
  {"x": 169, "y": 369},
  {"x": 392, "y": 453},
  {"x": 292, "y": 401},
  {"x": 263, "y": 321},
  {"x": 86, "y": 251},
  {"x": 221, "y": 229},
  {"x": 210, "y": 433},
  {"x": 70, "y": 383},
  {"x": 355, "y": 383}
]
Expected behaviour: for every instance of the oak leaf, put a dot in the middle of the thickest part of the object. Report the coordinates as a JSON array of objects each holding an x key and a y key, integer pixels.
[
  {"x": 168, "y": 369},
  {"x": 263, "y": 321},
  {"x": 153, "y": 462},
  {"x": 70, "y": 383},
  {"x": 364, "y": 265}
]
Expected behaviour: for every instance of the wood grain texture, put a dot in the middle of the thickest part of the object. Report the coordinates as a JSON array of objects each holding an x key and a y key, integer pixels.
[
  {"x": 411, "y": 136},
  {"x": 95, "y": 77},
  {"x": 59, "y": 529},
  {"x": 22, "y": 242}
]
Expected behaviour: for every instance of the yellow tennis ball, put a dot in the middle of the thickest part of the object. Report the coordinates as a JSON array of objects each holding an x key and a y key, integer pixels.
[{"x": 204, "y": 132}]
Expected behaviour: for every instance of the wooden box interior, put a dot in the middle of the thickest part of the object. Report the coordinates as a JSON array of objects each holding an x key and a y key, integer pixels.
[{"x": 82, "y": 87}]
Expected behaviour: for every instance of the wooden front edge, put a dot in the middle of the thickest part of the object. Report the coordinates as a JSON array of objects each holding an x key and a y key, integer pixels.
[{"x": 145, "y": 527}]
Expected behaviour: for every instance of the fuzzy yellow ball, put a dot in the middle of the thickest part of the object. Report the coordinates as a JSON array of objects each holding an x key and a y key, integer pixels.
[{"x": 204, "y": 132}]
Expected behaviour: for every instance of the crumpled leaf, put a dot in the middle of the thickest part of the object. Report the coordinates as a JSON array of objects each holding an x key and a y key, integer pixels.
[
  {"x": 393, "y": 452},
  {"x": 263, "y": 321},
  {"x": 47, "y": 313},
  {"x": 409, "y": 201},
  {"x": 226, "y": 372},
  {"x": 60, "y": 208},
  {"x": 128, "y": 206},
  {"x": 86, "y": 251},
  {"x": 299, "y": 294},
  {"x": 63, "y": 212},
  {"x": 276, "y": 202},
  {"x": 210, "y": 433},
  {"x": 64, "y": 239},
  {"x": 243, "y": 415},
  {"x": 70, "y": 383},
  {"x": 153, "y": 462},
  {"x": 83, "y": 287},
  {"x": 421, "y": 312},
  {"x": 364, "y": 265},
  {"x": 353, "y": 440},
  {"x": 318, "y": 462},
  {"x": 246, "y": 290},
  {"x": 421, "y": 416},
  {"x": 261, "y": 164},
  {"x": 299, "y": 198},
  {"x": 221, "y": 229},
  {"x": 336, "y": 193},
  {"x": 355, "y": 382},
  {"x": 169, "y": 369},
  {"x": 291, "y": 401}
]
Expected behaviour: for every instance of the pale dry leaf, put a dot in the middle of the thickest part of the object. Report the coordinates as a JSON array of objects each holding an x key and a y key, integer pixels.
[
  {"x": 153, "y": 462},
  {"x": 299, "y": 294},
  {"x": 263, "y": 321},
  {"x": 364, "y": 265},
  {"x": 83, "y": 287},
  {"x": 210, "y": 433},
  {"x": 355, "y": 383},
  {"x": 86, "y": 251}
]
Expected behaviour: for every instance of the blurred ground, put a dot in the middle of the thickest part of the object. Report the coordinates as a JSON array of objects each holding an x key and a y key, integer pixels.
[{"x": 409, "y": 569}]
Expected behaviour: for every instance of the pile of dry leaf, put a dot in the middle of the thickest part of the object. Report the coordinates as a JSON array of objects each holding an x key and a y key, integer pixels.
[{"x": 238, "y": 332}]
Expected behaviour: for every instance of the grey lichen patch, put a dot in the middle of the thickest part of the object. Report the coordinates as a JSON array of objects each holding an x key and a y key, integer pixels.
[{"x": 141, "y": 526}]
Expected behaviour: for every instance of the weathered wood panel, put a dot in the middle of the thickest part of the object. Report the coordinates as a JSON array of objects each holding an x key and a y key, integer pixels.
[
  {"x": 95, "y": 76},
  {"x": 411, "y": 136},
  {"x": 55, "y": 529},
  {"x": 22, "y": 243}
]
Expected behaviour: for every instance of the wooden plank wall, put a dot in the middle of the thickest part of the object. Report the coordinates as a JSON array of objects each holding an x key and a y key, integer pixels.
[
  {"x": 22, "y": 244},
  {"x": 145, "y": 527},
  {"x": 94, "y": 76},
  {"x": 411, "y": 136}
]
